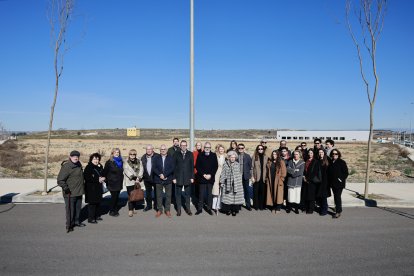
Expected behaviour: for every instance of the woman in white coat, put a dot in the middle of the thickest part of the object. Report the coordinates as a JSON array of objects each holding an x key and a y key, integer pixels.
[{"x": 221, "y": 158}]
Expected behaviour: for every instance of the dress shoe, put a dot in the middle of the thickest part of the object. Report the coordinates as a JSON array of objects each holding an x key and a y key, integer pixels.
[
  {"x": 228, "y": 213},
  {"x": 92, "y": 221},
  {"x": 80, "y": 224},
  {"x": 337, "y": 215},
  {"x": 210, "y": 212},
  {"x": 69, "y": 229},
  {"x": 158, "y": 214},
  {"x": 178, "y": 213},
  {"x": 288, "y": 211},
  {"x": 248, "y": 208},
  {"x": 233, "y": 214},
  {"x": 113, "y": 213},
  {"x": 189, "y": 213},
  {"x": 99, "y": 218},
  {"x": 198, "y": 212},
  {"x": 146, "y": 209},
  {"x": 130, "y": 213},
  {"x": 168, "y": 214}
]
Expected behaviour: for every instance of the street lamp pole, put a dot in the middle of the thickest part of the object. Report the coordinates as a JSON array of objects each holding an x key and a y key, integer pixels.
[
  {"x": 191, "y": 75},
  {"x": 411, "y": 130}
]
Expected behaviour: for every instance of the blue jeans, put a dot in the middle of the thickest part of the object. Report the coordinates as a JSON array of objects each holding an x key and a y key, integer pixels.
[{"x": 246, "y": 190}]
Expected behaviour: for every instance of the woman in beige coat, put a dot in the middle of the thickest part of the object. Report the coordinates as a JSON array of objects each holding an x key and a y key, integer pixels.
[
  {"x": 275, "y": 175},
  {"x": 221, "y": 158}
]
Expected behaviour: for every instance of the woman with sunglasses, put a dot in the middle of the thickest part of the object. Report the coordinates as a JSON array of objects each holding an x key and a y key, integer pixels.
[
  {"x": 133, "y": 171},
  {"x": 337, "y": 175},
  {"x": 258, "y": 178}
]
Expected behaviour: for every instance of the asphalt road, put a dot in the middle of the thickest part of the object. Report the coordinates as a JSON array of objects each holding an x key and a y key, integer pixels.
[{"x": 364, "y": 241}]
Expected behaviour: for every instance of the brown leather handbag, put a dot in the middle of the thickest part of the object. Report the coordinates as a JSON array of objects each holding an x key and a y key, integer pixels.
[{"x": 137, "y": 194}]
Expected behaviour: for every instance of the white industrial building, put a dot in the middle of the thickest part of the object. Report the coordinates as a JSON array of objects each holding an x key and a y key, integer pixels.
[{"x": 336, "y": 135}]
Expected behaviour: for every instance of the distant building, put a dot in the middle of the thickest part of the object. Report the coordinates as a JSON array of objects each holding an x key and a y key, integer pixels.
[
  {"x": 336, "y": 135},
  {"x": 133, "y": 132}
]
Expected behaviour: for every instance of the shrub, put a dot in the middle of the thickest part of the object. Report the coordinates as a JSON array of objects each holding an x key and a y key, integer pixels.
[{"x": 408, "y": 171}]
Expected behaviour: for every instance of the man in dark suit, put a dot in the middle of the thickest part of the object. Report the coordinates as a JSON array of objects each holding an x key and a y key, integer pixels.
[
  {"x": 245, "y": 162},
  {"x": 206, "y": 166},
  {"x": 163, "y": 175},
  {"x": 148, "y": 163},
  {"x": 183, "y": 176}
]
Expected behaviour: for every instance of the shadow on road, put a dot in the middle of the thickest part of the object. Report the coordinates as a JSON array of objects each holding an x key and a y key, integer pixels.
[{"x": 373, "y": 203}]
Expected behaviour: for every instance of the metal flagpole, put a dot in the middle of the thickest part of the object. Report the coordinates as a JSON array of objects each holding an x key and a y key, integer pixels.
[{"x": 191, "y": 75}]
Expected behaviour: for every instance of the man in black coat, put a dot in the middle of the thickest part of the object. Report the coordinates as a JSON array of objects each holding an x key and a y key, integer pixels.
[
  {"x": 245, "y": 162},
  {"x": 206, "y": 166},
  {"x": 163, "y": 176},
  {"x": 183, "y": 176},
  {"x": 148, "y": 163}
]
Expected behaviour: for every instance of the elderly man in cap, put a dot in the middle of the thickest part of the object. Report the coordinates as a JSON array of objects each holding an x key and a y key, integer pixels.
[{"x": 71, "y": 180}]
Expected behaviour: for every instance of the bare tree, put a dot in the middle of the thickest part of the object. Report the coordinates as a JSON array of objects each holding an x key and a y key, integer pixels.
[
  {"x": 370, "y": 17},
  {"x": 59, "y": 13}
]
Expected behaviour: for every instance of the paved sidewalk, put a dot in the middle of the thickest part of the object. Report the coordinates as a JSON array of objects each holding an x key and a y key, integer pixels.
[{"x": 386, "y": 194}]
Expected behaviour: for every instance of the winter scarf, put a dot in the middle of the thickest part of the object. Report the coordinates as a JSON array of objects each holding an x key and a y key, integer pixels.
[{"x": 118, "y": 161}]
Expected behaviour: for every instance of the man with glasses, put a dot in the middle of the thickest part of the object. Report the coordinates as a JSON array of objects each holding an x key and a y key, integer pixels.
[
  {"x": 304, "y": 147},
  {"x": 245, "y": 162},
  {"x": 317, "y": 146},
  {"x": 163, "y": 175},
  {"x": 148, "y": 163},
  {"x": 206, "y": 167},
  {"x": 183, "y": 176}
]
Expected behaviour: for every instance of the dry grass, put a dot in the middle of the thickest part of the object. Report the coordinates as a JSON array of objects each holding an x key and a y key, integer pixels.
[{"x": 30, "y": 152}]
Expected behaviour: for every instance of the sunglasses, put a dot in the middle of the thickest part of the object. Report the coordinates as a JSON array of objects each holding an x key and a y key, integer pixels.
[
  {"x": 260, "y": 149},
  {"x": 335, "y": 154},
  {"x": 241, "y": 148}
]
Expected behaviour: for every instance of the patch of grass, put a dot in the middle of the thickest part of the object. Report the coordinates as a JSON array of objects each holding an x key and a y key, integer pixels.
[
  {"x": 10, "y": 157},
  {"x": 408, "y": 171},
  {"x": 352, "y": 171}
]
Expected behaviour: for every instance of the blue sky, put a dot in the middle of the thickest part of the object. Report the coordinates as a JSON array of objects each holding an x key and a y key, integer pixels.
[{"x": 261, "y": 64}]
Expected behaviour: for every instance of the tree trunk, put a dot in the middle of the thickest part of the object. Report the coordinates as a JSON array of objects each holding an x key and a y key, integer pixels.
[
  {"x": 52, "y": 111},
  {"x": 371, "y": 132}
]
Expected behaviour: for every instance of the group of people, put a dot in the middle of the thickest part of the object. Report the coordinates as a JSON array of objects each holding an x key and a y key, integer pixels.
[{"x": 217, "y": 181}]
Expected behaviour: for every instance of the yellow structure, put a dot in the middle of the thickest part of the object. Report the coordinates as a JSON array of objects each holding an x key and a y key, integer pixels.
[{"x": 133, "y": 132}]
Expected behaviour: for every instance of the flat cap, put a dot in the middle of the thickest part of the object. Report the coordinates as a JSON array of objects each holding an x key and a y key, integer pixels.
[{"x": 74, "y": 153}]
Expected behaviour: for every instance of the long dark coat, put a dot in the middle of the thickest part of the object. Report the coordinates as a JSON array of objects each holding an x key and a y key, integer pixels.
[
  {"x": 114, "y": 176},
  {"x": 206, "y": 165},
  {"x": 275, "y": 187},
  {"x": 184, "y": 168},
  {"x": 93, "y": 189},
  {"x": 309, "y": 187},
  {"x": 337, "y": 174},
  {"x": 323, "y": 190}
]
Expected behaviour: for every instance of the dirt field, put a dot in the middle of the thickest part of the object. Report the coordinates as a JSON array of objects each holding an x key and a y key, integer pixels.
[{"x": 30, "y": 156}]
